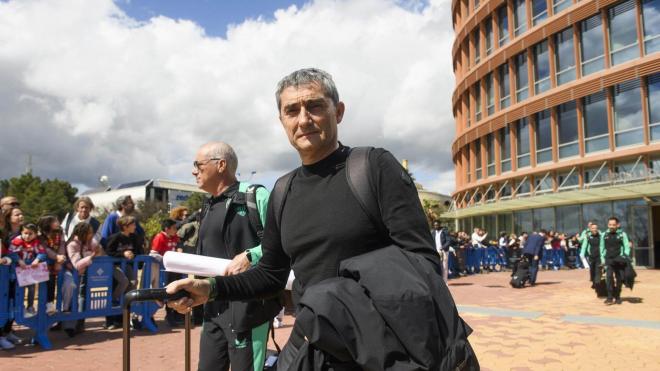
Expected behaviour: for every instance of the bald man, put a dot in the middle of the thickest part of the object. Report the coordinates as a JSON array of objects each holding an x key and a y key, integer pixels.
[{"x": 234, "y": 332}]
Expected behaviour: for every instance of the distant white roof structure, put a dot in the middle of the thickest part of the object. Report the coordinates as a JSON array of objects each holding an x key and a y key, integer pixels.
[{"x": 169, "y": 191}]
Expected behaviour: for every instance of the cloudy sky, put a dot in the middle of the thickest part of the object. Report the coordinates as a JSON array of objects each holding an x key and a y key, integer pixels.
[{"x": 130, "y": 89}]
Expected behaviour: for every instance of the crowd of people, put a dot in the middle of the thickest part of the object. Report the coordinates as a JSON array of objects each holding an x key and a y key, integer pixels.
[
  {"x": 70, "y": 245},
  {"x": 480, "y": 253},
  {"x": 595, "y": 249}
]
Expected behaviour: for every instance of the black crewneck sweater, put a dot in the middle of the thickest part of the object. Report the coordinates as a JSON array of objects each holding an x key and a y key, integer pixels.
[{"x": 323, "y": 224}]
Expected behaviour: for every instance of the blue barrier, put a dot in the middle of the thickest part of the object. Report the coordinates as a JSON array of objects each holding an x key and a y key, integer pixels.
[
  {"x": 97, "y": 299},
  {"x": 5, "y": 311}
]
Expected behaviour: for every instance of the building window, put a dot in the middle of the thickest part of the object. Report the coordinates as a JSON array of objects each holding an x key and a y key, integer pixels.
[
  {"x": 524, "y": 188},
  {"x": 489, "y": 35},
  {"x": 567, "y": 130},
  {"x": 596, "y": 175},
  {"x": 628, "y": 123},
  {"x": 523, "y": 221},
  {"x": 490, "y": 151},
  {"x": 477, "y": 101},
  {"x": 623, "y": 32},
  {"x": 477, "y": 156},
  {"x": 651, "y": 21},
  {"x": 477, "y": 46},
  {"x": 505, "y": 192},
  {"x": 568, "y": 219},
  {"x": 467, "y": 166},
  {"x": 594, "y": 119},
  {"x": 544, "y": 219},
  {"x": 490, "y": 95},
  {"x": 476, "y": 4},
  {"x": 505, "y": 150},
  {"x": 543, "y": 137},
  {"x": 541, "y": 68},
  {"x": 522, "y": 90},
  {"x": 503, "y": 25},
  {"x": 467, "y": 109},
  {"x": 505, "y": 88},
  {"x": 539, "y": 11},
  {"x": 654, "y": 167},
  {"x": 559, "y": 5},
  {"x": 467, "y": 54},
  {"x": 654, "y": 106},
  {"x": 519, "y": 17},
  {"x": 568, "y": 180},
  {"x": 591, "y": 45},
  {"x": 543, "y": 184},
  {"x": 522, "y": 142},
  {"x": 564, "y": 57},
  {"x": 629, "y": 171}
]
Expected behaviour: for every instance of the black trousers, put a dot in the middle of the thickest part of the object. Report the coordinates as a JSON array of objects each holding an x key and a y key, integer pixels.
[
  {"x": 614, "y": 279},
  {"x": 594, "y": 272},
  {"x": 219, "y": 347}
]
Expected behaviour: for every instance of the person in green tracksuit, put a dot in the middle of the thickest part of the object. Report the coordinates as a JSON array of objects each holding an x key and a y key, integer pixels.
[
  {"x": 231, "y": 227},
  {"x": 614, "y": 251},
  {"x": 591, "y": 250}
]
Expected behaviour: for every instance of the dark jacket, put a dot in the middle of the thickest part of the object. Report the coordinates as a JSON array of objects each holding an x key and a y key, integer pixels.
[
  {"x": 534, "y": 244},
  {"x": 388, "y": 310},
  {"x": 239, "y": 235}
]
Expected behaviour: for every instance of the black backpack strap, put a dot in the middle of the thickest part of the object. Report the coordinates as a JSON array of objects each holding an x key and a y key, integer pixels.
[
  {"x": 253, "y": 209},
  {"x": 278, "y": 196},
  {"x": 358, "y": 175},
  {"x": 206, "y": 205}
]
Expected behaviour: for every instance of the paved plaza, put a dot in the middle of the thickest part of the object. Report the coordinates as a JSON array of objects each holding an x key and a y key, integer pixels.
[{"x": 557, "y": 325}]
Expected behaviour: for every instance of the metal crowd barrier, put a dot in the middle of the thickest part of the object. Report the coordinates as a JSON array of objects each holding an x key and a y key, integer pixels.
[{"x": 98, "y": 300}]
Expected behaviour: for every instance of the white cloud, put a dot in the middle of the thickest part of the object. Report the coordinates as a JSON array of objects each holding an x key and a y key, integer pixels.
[{"x": 88, "y": 91}]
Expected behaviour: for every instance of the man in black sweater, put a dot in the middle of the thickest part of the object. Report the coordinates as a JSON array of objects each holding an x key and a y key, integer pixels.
[{"x": 321, "y": 222}]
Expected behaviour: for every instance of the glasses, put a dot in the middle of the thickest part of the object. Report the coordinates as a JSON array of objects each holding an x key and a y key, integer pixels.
[{"x": 197, "y": 164}]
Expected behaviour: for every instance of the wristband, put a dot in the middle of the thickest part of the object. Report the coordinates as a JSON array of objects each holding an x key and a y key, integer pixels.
[{"x": 212, "y": 293}]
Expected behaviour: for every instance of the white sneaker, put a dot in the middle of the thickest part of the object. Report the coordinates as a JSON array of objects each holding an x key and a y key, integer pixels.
[
  {"x": 50, "y": 308},
  {"x": 29, "y": 312},
  {"x": 13, "y": 338},
  {"x": 6, "y": 344}
]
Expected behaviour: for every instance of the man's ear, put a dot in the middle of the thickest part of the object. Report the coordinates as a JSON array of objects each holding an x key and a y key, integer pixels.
[
  {"x": 340, "y": 111},
  {"x": 222, "y": 166}
]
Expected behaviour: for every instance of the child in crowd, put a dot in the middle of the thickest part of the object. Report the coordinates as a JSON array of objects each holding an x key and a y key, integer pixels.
[
  {"x": 26, "y": 249},
  {"x": 166, "y": 240},
  {"x": 81, "y": 248},
  {"x": 52, "y": 239},
  {"x": 125, "y": 244}
]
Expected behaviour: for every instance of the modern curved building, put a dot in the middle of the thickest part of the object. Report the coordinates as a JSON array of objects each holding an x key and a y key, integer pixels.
[{"x": 557, "y": 109}]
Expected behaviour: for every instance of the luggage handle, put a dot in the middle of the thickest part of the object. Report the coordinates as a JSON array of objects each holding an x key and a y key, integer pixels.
[{"x": 150, "y": 295}]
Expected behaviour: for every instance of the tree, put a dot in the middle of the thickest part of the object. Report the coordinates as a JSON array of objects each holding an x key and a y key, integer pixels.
[
  {"x": 38, "y": 198},
  {"x": 195, "y": 201},
  {"x": 433, "y": 209}
]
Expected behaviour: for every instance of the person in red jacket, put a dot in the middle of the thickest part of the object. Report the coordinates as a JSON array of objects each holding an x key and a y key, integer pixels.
[{"x": 164, "y": 241}]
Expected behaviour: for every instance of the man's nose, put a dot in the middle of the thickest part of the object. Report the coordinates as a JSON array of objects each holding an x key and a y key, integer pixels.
[{"x": 304, "y": 117}]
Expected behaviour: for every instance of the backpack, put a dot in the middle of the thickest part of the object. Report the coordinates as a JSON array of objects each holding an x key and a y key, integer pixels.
[
  {"x": 250, "y": 197},
  {"x": 359, "y": 181}
]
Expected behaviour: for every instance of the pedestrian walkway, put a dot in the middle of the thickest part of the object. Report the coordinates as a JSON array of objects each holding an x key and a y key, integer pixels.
[
  {"x": 557, "y": 325},
  {"x": 560, "y": 324}
]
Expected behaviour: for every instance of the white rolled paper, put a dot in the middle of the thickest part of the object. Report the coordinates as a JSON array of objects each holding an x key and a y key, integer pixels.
[{"x": 198, "y": 265}]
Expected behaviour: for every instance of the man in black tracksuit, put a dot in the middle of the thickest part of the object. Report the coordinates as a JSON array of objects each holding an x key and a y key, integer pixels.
[
  {"x": 614, "y": 251},
  {"x": 591, "y": 250},
  {"x": 233, "y": 332},
  {"x": 321, "y": 222}
]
